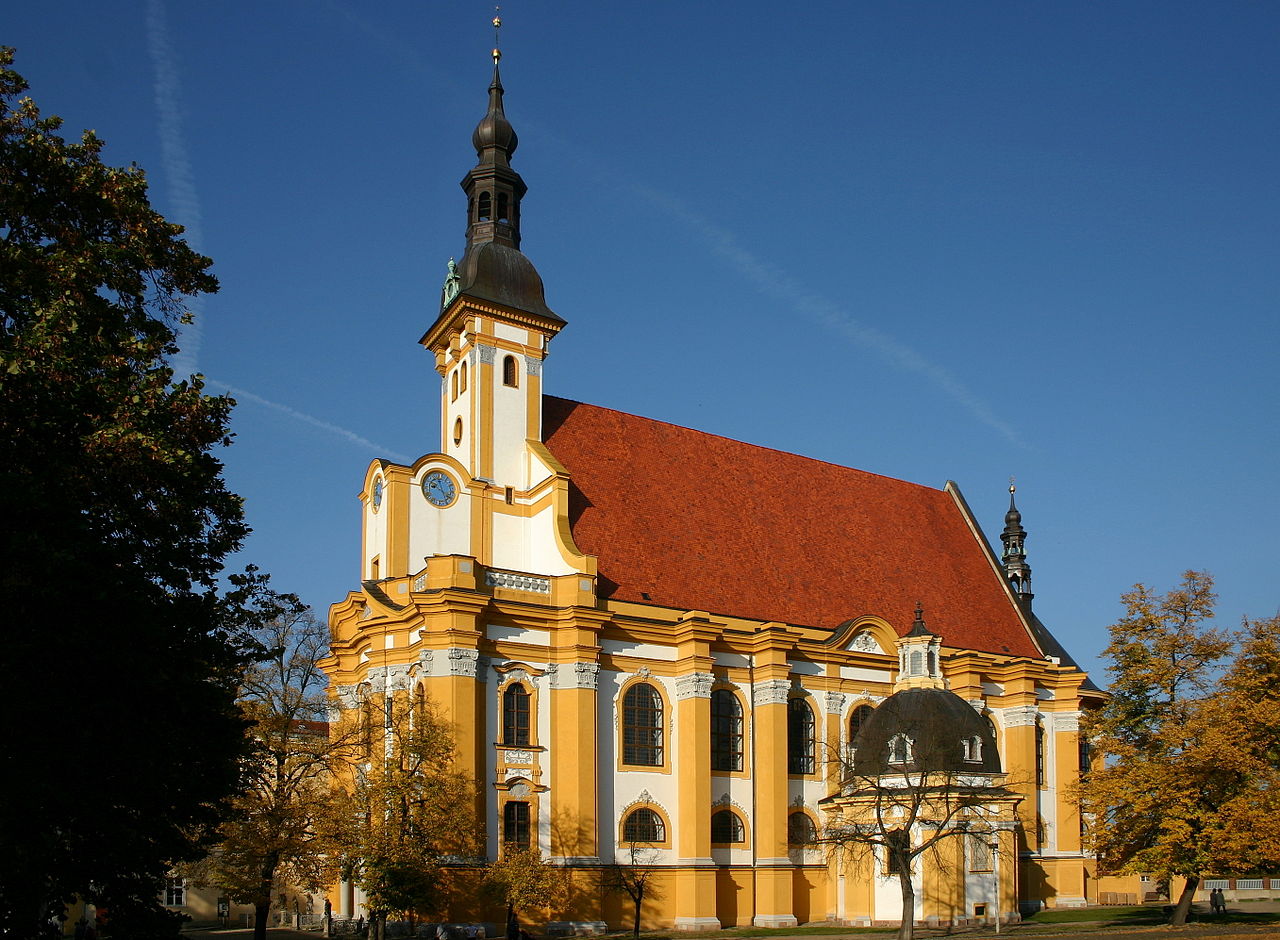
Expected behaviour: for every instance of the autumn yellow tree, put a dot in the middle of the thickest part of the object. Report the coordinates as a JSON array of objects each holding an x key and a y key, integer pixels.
[
  {"x": 1155, "y": 804},
  {"x": 394, "y": 824},
  {"x": 523, "y": 881},
  {"x": 1242, "y": 726}
]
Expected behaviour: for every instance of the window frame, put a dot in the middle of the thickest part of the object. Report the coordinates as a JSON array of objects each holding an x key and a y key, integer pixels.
[
  {"x": 738, "y": 828},
  {"x": 663, "y": 829},
  {"x": 727, "y": 744},
  {"x": 511, "y": 807},
  {"x": 656, "y": 730},
  {"x": 801, "y": 760},
  {"x": 514, "y": 733}
]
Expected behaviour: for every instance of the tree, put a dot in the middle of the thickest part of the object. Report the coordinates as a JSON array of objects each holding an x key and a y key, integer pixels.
[
  {"x": 116, "y": 525},
  {"x": 1242, "y": 725},
  {"x": 899, "y": 808},
  {"x": 1155, "y": 800},
  {"x": 523, "y": 880},
  {"x": 634, "y": 878},
  {"x": 272, "y": 835},
  {"x": 396, "y": 824}
]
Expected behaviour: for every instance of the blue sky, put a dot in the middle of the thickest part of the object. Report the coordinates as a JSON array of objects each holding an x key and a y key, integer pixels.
[{"x": 931, "y": 240}]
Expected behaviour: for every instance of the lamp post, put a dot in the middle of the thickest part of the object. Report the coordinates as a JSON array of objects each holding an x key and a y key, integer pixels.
[{"x": 995, "y": 871}]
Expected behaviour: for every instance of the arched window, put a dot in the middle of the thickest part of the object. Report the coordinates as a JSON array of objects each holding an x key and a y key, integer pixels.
[
  {"x": 515, "y": 824},
  {"x": 642, "y": 726},
  {"x": 801, "y": 830},
  {"x": 726, "y": 828},
  {"x": 515, "y": 715},
  {"x": 1039, "y": 754},
  {"x": 509, "y": 375},
  {"x": 917, "y": 663},
  {"x": 486, "y": 202},
  {"x": 502, "y": 207},
  {"x": 453, "y": 386},
  {"x": 462, "y": 377},
  {"x": 972, "y": 748},
  {"x": 800, "y": 737},
  {"x": 857, "y": 720},
  {"x": 933, "y": 662},
  {"x": 726, "y": 731},
  {"x": 643, "y": 825},
  {"x": 899, "y": 749}
]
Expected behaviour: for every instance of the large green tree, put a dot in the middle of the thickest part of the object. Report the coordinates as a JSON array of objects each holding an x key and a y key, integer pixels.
[{"x": 120, "y": 651}]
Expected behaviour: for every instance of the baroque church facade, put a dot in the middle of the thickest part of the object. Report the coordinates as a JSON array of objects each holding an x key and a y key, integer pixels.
[{"x": 636, "y": 645}]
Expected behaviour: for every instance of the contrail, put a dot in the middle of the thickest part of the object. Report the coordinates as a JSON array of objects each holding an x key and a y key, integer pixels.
[
  {"x": 184, "y": 202},
  {"x": 305, "y": 418},
  {"x": 770, "y": 280}
]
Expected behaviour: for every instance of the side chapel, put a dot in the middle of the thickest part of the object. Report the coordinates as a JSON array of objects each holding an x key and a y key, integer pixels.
[{"x": 637, "y": 645}]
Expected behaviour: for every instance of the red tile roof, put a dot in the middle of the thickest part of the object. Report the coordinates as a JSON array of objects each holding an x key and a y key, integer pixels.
[{"x": 685, "y": 519}]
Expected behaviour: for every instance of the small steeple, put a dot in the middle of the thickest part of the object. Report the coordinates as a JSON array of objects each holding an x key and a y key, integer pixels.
[
  {"x": 1014, "y": 556},
  {"x": 493, "y": 268},
  {"x": 493, "y": 189},
  {"x": 919, "y": 657}
]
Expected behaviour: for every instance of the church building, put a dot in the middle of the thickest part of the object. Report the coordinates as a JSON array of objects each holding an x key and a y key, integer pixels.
[{"x": 639, "y": 642}]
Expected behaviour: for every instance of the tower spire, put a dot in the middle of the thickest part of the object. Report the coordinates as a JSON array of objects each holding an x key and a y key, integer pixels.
[
  {"x": 1014, "y": 556},
  {"x": 492, "y": 268}
]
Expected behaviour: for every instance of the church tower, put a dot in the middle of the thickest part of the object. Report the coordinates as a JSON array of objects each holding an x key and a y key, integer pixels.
[{"x": 491, "y": 337}]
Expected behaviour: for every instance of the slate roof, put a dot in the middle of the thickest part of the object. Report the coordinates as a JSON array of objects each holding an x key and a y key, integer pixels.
[{"x": 685, "y": 519}]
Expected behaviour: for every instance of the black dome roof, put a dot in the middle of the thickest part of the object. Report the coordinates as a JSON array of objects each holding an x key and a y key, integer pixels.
[
  {"x": 937, "y": 724},
  {"x": 497, "y": 272}
]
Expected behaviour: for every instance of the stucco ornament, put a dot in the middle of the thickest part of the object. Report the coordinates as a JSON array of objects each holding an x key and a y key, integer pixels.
[
  {"x": 771, "y": 692},
  {"x": 694, "y": 685}
]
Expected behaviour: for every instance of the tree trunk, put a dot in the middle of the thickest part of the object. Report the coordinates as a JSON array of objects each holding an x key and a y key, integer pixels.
[
  {"x": 635, "y": 930},
  {"x": 1183, "y": 907},
  {"x": 262, "y": 906},
  {"x": 906, "y": 930},
  {"x": 261, "y": 912}
]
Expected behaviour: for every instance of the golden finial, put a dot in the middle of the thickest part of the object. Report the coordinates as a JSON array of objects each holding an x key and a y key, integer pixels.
[
  {"x": 497, "y": 25},
  {"x": 1012, "y": 488}
]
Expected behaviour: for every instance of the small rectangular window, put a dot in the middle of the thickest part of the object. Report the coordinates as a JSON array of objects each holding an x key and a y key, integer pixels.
[
  {"x": 979, "y": 853},
  {"x": 175, "y": 893}
]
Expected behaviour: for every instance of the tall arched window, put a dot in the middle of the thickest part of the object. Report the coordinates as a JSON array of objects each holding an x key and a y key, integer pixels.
[
  {"x": 800, "y": 737},
  {"x": 515, "y": 824},
  {"x": 916, "y": 667},
  {"x": 1039, "y": 754},
  {"x": 857, "y": 720},
  {"x": 462, "y": 377},
  {"x": 642, "y": 726},
  {"x": 643, "y": 825},
  {"x": 486, "y": 203},
  {"x": 515, "y": 715},
  {"x": 726, "y": 731},
  {"x": 509, "y": 375},
  {"x": 502, "y": 207},
  {"x": 726, "y": 828},
  {"x": 453, "y": 386}
]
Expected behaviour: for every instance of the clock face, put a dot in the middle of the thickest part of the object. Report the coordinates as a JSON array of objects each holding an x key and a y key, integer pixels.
[
  {"x": 439, "y": 489},
  {"x": 377, "y": 493}
]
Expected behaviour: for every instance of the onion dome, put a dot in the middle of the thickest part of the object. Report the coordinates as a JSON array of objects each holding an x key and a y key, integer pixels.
[
  {"x": 494, "y": 132},
  {"x": 925, "y": 731}
]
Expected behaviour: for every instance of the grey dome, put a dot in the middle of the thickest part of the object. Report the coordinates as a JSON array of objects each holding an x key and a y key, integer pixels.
[{"x": 937, "y": 724}]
